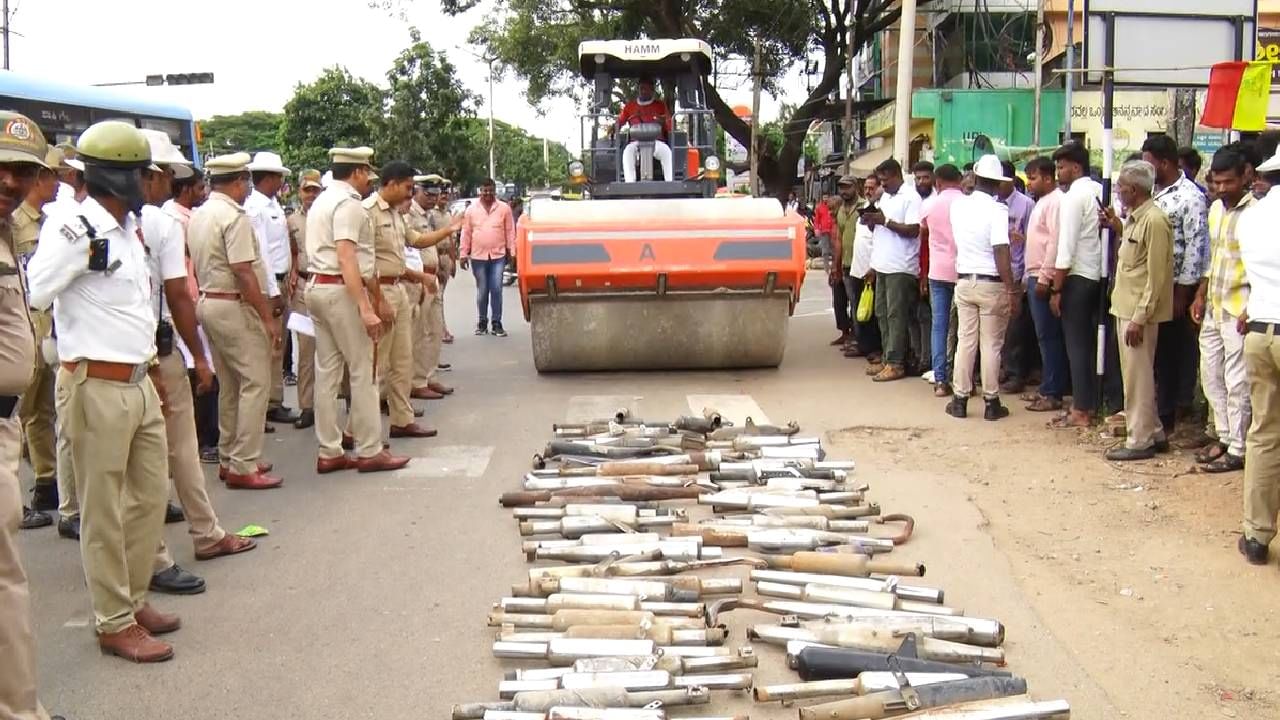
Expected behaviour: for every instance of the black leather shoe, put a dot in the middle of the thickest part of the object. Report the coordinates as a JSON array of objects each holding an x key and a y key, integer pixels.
[
  {"x": 69, "y": 528},
  {"x": 995, "y": 410},
  {"x": 209, "y": 456},
  {"x": 1124, "y": 454},
  {"x": 306, "y": 419},
  {"x": 1161, "y": 446},
  {"x": 34, "y": 519},
  {"x": 176, "y": 581},
  {"x": 173, "y": 514},
  {"x": 958, "y": 407},
  {"x": 282, "y": 414},
  {"x": 1253, "y": 551},
  {"x": 44, "y": 496}
]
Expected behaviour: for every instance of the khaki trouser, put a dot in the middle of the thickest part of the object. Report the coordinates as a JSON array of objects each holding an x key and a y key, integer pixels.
[
  {"x": 17, "y": 635},
  {"x": 120, "y": 455},
  {"x": 68, "y": 500},
  {"x": 341, "y": 341},
  {"x": 1225, "y": 380},
  {"x": 240, "y": 356},
  {"x": 1138, "y": 372},
  {"x": 306, "y": 369},
  {"x": 395, "y": 356},
  {"x": 276, "y": 398},
  {"x": 184, "y": 460},
  {"x": 1262, "y": 445},
  {"x": 36, "y": 410},
  {"x": 431, "y": 326},
  {"x": 982, "y": 309}
]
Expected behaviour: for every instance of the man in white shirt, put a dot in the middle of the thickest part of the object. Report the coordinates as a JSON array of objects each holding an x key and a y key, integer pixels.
[
  {"x": 1077, "y": 277},
  {"x": 895, "y": 267},
  {"x": 1260, "y": 254},
  {"x": 987, "y": 294},
  {"x": 272, "y": 229},
  {"x": 93, "y": 270}
]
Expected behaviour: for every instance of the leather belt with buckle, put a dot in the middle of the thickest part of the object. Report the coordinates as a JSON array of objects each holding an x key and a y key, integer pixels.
[
  {"x": 322, "y": 279},
  {"x": 389, "y": 280},
  {"x": 220, "y": 295}
]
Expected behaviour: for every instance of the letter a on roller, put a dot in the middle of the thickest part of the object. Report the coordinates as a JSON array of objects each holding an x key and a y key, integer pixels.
[{"x": 646, "y": 253}]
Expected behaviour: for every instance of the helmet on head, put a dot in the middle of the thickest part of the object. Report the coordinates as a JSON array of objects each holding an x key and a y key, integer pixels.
[{"x": 114, "y": 154}]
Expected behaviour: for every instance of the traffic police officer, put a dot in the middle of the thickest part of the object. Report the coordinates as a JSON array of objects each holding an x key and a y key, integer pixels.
[
  {"x": 309, "y": 189},
  {"x": 94, "y": 266},
  {"x": 22, "y": 155},
  {"x": 238, "y": 319},
  {"x": 165, "y": 239},
  {"x": 36, "y": 409},
  {"x": 343, "y": 297}
]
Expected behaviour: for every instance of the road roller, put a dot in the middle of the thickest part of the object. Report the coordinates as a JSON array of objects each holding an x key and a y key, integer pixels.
[{"x": 650, "y": 270}]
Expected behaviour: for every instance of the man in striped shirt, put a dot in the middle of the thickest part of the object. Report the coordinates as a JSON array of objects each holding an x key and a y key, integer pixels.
[{"x": 1219, "y": 303}]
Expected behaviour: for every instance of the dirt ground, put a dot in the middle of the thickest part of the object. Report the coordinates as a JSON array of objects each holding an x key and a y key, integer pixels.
[{"x": 1133, "y": 568}]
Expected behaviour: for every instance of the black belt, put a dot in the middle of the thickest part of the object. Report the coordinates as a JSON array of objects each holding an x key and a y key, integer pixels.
[
  {"x": 1263, "y": 328},
  {"x": 981, "y": 278},
  {"x": 8, "y": 406}
]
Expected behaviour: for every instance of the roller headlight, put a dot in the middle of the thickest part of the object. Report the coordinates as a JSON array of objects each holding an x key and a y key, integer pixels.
[
  {"x": 713, "y": 163},
  {"x": 577, "y": 169}
]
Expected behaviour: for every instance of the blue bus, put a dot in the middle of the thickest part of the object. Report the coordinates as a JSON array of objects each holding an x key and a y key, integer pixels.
[{"x": 63, "y": 111}]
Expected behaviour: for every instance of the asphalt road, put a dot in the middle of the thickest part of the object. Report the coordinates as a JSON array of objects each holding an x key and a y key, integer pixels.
[{"x": 368, "y": 599}]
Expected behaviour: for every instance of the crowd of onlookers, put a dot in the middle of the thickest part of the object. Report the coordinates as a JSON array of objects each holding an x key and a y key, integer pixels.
[{"x": 1020, "y": 280}]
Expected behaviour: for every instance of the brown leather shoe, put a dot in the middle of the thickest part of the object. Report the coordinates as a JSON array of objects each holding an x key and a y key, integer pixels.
[
  {"x": 136, "y": 644},
  {"x": 256, "y": 481},
  {"x": 381, "y": 462},
  {"x": 425, "y": 393},
  {"x": 228, "y": 545},
  {"x": 156, "y": 622},
  {"x": 874, "y": 369},
  {"x": 412, "y": 430},
  {"x": 224, "y": 471},
  {"x": 326, "y": 465},
  {"x": 439, "y": 388},
  {"x": 890, "y": 373}
]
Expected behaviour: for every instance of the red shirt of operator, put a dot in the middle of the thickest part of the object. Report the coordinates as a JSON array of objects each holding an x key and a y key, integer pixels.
[{"x": 645, "y": 108}]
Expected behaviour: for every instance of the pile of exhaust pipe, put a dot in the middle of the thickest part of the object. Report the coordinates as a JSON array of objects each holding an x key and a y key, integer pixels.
[{"x": 617, "y": 517}]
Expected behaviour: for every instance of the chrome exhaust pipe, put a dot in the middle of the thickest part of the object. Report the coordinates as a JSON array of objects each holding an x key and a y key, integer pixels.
[{"x": 906, "y": 592}]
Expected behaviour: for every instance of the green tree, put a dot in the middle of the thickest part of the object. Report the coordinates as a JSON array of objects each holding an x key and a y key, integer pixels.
[
  {"x": 335, "y": 109},
  {"x": 538, "y": 40},
  {"x": 518, "y": 156},
  {"x": 429, "y": 114},
  {"x": 249, "y": 131}
]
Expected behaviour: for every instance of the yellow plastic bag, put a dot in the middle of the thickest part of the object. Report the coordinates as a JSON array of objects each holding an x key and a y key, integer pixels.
[{"x": 866, "y": 303}]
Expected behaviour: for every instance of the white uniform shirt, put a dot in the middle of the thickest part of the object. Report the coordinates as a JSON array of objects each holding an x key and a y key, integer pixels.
[
  {"x": 1260, "y": 254},
  {"x": 105, "y": 316},
  {"x": 862, "y": 242},
  {"x": 891, "y": 252},
  {"x": 166, "y": 240},
  {"x": 979, "y": 223},
  {"x": 272, "y": 230},
  {"x": 1079, "y": 238}
]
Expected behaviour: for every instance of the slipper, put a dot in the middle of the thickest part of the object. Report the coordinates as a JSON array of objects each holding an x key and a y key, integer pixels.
[
  {"x": 1211, "y": 453},
  {"x": 1045, "y": 404},
  {"x": 1225, "y": 464},
  {"x": 1030, "y": 396},
  {"x": 1064, "y": 422}
]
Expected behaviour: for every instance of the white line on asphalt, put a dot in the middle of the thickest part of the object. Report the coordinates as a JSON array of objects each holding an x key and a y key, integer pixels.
[
  {"x": 79, "y": 621},
  {"x": 447, "y": 461},
  {"x": 584, "y": 408},
  {"x": 820, "y": 313},
  {"x": 736, "y": 408}
]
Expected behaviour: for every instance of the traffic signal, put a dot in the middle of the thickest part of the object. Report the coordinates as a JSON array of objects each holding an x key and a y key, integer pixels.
[{"x": 188, "y": 78}]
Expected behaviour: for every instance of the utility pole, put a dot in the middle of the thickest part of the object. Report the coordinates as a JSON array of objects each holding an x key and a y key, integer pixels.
[
  {"x": 1069, "y": 77},
  {"x": 1039, "y": 71},
  {"x": 546, "y": 162},
  {"x": 755, "y": 122},
  {"x": 848, "y": 94},
  {"x": 493, "y": 172},
  {"x": 902, "y": 96},
  {"x": 6, "y": 34}
]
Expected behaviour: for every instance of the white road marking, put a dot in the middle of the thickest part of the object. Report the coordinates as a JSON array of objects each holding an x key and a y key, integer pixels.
[
  {"x": 737, "y": 407},
  {"x": 584, "y": 408},
  {"x": 447, "y": 461},
  {"x": 820, "y": 313},
  {"x": 79, "y": 621}
]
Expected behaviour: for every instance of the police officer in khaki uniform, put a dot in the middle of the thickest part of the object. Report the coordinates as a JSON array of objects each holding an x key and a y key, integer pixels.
[
  {"x": 95, "y": 266},
  {"x": 238, "y": 319},
  {"x": 22, "y": 155},
  {"x": 348, "y": 311},
  {"x": 309, "y": 189},
  {"x": 36, "y": 409},
  {"x": 439, "y": 227},
  {"x": 175, "y": 309}
]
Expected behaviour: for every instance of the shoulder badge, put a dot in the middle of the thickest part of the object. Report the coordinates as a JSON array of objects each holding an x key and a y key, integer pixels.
[{"x": 73, "y": 229}]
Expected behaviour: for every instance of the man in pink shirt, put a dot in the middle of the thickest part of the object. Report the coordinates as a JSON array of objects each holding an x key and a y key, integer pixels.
[
  {"x": 1042, "y": 248},
  {"x": 488, "y": 238},
  {"x": 935, "y": 225}
]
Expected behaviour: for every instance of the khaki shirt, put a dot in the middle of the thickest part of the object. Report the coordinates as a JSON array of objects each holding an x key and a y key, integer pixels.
[
  {"x": 338, "y": 215},
  {"x": 445, "y": 248},
  {"x": 298, "y": 236},
  {"x": 420, "y": 220},
  {"x": 1143, "y": 292},
  {"x": 26, "y": 228},
  {"x": 17, "y": 340},
  {"x": 390, "y": 233},
  {"x": 218, "y": 237}
]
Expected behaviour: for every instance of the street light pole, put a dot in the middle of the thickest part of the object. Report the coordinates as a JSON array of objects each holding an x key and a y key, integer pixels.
[
  {"x": 493, "y": 173},
  {"x": 1039, "y": 71}
]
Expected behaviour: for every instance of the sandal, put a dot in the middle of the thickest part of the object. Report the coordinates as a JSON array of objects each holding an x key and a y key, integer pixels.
[
  {"x": 1211, "y": 453},
  {"x": 1045, "y": 404},
  {"x": 1064, "y": 422},
  {"x": 1225, "y": 464},
  {"x": 1030, "y": 396},
  {"x": 890, "y": 373}
]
